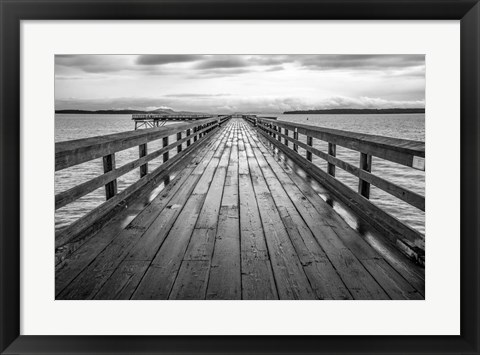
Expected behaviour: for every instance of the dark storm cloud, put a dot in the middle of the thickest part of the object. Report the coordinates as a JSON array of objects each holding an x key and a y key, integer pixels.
[
  {"x": 92, "y": 63},
  {"x": 222, "y": 62},
  {"x": 408, "y": 65},
  {"x": 244, "y": 61},
  {"x": 196, "y": 95},
  {"x": 237, "y": 64},
  {"x": 152, "y": 59},
  {"x": 360, "y": 62}
]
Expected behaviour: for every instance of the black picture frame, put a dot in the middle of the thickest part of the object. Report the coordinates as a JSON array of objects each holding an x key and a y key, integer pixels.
[{"x": 14, "y": 11}]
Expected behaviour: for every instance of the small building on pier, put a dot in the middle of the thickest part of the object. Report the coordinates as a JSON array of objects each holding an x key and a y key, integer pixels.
[{"x": 150, "y": 120}]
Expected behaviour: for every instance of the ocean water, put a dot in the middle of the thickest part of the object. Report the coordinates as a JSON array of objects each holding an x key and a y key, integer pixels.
[{"x": 408, "y": 126}]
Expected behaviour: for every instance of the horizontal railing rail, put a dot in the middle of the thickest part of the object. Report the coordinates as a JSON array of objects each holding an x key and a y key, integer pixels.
[
  {"x": 401, "y": 151},
  {"x": 75, "y": 152}
]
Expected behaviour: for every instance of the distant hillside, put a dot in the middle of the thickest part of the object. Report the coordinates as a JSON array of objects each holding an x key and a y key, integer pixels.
[
  {"x": 125, "y": 112},
  {"x": 346, "y": 111},
  {"x": 103, "y": 112}
]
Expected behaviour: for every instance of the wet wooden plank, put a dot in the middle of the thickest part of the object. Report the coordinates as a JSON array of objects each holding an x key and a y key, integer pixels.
[
  {"x": 160, "y": 276},
  {"x": 191, "y": 282},
  {"x": 225, "y": 275},
  {"x": 202, "y": 242},
  {"x": 290, "y": 278},
  {"x": 392, "y": 282},
  {"x": 356, "y": 278},
  {"x": 323, "y": 277},
  {"x": 209, "y": 215},
  {"x": 257, "y": 275},
  {"x": 359, "y": 247},
  {"x": 148, "y": 245},
  {"x": 123, "y": 282}
]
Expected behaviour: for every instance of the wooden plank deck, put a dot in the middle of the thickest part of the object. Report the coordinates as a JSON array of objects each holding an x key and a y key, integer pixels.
[{"x": 235, "y": 223}]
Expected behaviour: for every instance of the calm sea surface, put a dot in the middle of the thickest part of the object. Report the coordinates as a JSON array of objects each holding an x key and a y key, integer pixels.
[{"x": 408, "y": 126}]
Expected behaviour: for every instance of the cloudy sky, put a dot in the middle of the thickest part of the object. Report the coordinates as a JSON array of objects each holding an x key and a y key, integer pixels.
[{"x": 238, "y": 83}]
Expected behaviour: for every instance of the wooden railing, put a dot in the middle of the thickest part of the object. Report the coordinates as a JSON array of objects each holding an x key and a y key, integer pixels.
[
  {"x": 71, "y": 153},
  {"x": 405, "y": 152}
]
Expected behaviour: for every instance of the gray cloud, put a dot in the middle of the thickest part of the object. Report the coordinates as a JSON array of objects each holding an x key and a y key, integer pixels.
[
  {"x": 353, "y": 81},
  {"x": 221, "y": 62},
  {"x": 92, "y": 63},
  {"x": 196, "y": 95},
  {"x": 365, "y": 62},
  {"x": 324, "y": 61},
  {"x": 413, "y": 65},
  {"x": 153, "y": 59}
]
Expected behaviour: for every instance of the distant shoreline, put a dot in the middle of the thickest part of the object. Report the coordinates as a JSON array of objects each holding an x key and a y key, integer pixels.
[
  {"x": 104, "y": 112},
  {"x": 123, "y": 112},
  {"x": 356, "y": 111},
  {"x": 297, "y": 112}
]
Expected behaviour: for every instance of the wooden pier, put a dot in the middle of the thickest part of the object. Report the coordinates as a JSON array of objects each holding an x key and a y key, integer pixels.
[
  {"x": 239, "y": 217},
  {"x": 150, "y": 120}
]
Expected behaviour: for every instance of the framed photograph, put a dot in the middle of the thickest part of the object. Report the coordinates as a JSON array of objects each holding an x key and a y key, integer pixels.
[{"x": 239, "y": 177}]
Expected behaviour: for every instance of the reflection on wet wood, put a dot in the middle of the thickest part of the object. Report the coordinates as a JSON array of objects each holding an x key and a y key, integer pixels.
[{"x": 235, "y": 223}]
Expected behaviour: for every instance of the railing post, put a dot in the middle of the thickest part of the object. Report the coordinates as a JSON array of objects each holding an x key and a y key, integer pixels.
[
  {"x": 365, "y": 164},
  {"x": 286, "y": 140},
  {"x": 332, "y": 150},
  {"x": 188, "y": 140},
  {"x": 142, "y": 151},
  {"x": 309, "y": 143},
  {"x": 295, "y": 136},
  {"x": 166, "y": 154},
  {"x": 109, "y": 165},
  {"x": 179, "y": 137}
]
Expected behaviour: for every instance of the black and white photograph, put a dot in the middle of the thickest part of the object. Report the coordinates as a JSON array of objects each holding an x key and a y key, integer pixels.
[{"x": 240, "y": 176}]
